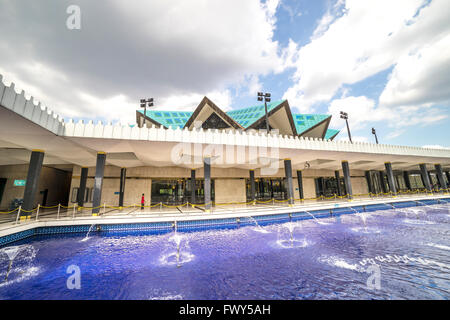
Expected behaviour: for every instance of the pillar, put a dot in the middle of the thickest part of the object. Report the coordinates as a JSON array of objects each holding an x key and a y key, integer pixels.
[
  {"x": 369, "y": 182},
  {"x": 31, "y": 186},
  {"x": 440, "y": 176},
  {"x": 300, "y": 185},
  {"x": 382, "y": 183},
  {"x": 338, "y": 181},
  {"x": 407, "y": 180},
  {"x": 252, "y": 185},
  {"x": 317, "y": 185},
  {"x": 390, "y": 176},
  {"x": 82, "y": 189},
  {"x": 192, "y": 186},
  {"x": 98, "y": 182},
  {"x": 123, "y": 177},
  {"x": 289, "y": 185},
  {"x": 431, "y": 180},
  {"x": 347, "y": 179},
  {"x": 447, "y": 173},
  {"x": 425, "y": 176},
  {"x": 207, "y": 182}
]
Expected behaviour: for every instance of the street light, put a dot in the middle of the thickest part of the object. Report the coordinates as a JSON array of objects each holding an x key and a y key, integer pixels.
[
  {"x": 344, "y": 115},
  {"x": 375, "y": 134},
  {"x": 145, "y": 104},
  {"x": 266, "y": 97}
]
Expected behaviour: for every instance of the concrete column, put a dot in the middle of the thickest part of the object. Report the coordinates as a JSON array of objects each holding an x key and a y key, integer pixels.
[
  {"x": 431, "y": 180},
  {"x": 440, "y": 176},
  {"x": 207, "y": 182},
  {"x": 338, "y": 181},
  {"x": 369, "y": 181},
  {"x": 192, "y": 185},
  {"x": 425, "y": 176},
  {"x": 383, "y": 184},
  {"x": 390, "y": 175},
  {"x": 98, "y": 182},
  {"x": 317, "y": 187},
  {"x": 123, "y": 177},
  {"x": 447, "y": 173},
  {"x": 31, "y": 186},
  {"x": 407, "y": 180},
  {"x": 252, "y": 185},
  {"x": 300, "y": 184},
  {"x": 82, "y": 189},
  {"x": 289, "y": 186},
  {"x": 347, "y": 179}
]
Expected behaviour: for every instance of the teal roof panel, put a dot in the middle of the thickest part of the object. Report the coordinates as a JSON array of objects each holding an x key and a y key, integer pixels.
[
  {"x": 303, "y": 122},
  {"x": 173, "y": 119},
  {"x": 247, "y": 116},
  {"x": 331, "y": 133}
]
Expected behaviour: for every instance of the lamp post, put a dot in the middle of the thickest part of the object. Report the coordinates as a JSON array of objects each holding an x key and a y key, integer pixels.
[
  {"x": 266, "y": 97},
  {"x": 375, "y": 134},
  {"x": 146, "y": 103},
  {"x": 344, "y": 115}
]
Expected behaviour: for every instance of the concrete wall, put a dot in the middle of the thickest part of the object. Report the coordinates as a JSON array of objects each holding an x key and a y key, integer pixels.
[
  {"x": 359, "y": 185},
  {"x": 229, "y": 183},
  {"x": 229, "y": 190},
  {"x": 136, "y": 184},
  {"x": 56, "y": 181}
]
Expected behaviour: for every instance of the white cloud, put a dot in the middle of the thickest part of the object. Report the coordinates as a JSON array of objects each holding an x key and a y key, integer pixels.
[
  {"x": 361, "y": 110},
  {"x": 174, "y": 51},
  {"x": 422, "y": 77},
  {"x": 370, "y": 37},
  {"x": 188, "y": 102}
]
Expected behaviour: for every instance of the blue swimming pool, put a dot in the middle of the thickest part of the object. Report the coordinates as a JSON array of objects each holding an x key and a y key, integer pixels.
[{"x": 399, "y": 253}]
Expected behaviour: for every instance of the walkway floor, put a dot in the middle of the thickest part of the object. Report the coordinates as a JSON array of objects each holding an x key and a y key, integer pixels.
[{"x": 9, "y": 223}]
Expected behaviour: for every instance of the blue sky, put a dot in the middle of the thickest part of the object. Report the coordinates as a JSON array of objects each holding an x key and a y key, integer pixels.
[
  {"x": 386, "y": 63},
  {"x": 297, "y": 21}
]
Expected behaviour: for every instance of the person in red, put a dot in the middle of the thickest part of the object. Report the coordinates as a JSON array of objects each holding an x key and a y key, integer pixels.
[{"x": 142, "y": 202}]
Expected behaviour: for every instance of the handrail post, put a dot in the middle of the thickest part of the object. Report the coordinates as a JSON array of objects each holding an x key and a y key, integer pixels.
[
  {"x": 18, "y": 214},
  {"x": 37, "y": 212},
  {"x": 57, "y": 215},
  {"x": 104, "y": 208},
  {"x": 160, "y": 207},
  {"x": 73, "y": 215}
]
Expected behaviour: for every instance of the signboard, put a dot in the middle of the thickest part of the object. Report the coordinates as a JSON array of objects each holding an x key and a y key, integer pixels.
[{"x": 20, "y": 183}]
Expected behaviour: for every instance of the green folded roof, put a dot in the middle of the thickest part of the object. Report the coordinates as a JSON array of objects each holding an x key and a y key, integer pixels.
[
  {"x": 248, "y": 116},
  {"x": 169, "y": 119},
  {"x": 331, "y": 133},
  {"x": 245, "y": 117},
  {"x": 303, "y": 122}
]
